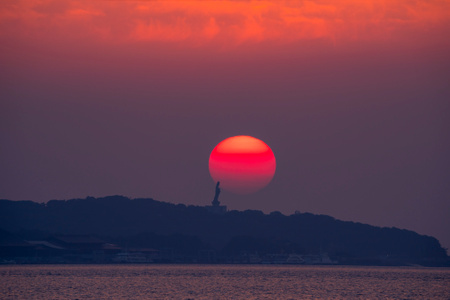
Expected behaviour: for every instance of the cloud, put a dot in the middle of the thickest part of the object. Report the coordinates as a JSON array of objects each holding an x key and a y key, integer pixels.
[{"x": 223, "y": 22}]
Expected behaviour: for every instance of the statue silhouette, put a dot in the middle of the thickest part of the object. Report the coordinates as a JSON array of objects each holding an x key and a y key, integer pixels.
[{"x": 216, "y": 202}]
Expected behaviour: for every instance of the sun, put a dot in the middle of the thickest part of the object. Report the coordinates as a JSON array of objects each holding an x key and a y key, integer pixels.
[{"x": 243, "y": 164}]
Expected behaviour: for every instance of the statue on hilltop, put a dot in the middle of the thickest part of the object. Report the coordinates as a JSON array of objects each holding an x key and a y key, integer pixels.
[
  {"x": 216, "y": 207},
  {"x": 216, "y": 201}
]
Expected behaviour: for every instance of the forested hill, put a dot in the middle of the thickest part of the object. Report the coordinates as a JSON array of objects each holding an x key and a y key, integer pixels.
[{"x": 141, "y": 221}]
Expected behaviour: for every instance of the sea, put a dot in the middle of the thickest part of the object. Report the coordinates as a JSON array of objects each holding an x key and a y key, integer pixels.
[{"x": 151, "y": 281}]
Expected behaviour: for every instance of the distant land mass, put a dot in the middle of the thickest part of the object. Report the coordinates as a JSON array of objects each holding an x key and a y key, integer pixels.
[{"x": 195, "y": 234}]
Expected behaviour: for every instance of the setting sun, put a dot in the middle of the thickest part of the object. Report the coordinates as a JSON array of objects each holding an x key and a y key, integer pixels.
[{"x": 242, "y": 164}]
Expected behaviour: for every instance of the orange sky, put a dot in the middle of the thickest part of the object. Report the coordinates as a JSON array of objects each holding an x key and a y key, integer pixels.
[{"x": 224, "y": 22}]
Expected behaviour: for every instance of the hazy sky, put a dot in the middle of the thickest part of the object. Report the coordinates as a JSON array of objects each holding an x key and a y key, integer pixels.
[{"x": 124, "y": 97}]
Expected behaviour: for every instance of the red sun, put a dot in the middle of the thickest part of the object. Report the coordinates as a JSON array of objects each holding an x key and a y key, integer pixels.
[{"x": 243, "y": 164}]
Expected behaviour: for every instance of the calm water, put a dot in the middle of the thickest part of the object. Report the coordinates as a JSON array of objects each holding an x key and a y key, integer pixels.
[{"x": 221, "y": 282}]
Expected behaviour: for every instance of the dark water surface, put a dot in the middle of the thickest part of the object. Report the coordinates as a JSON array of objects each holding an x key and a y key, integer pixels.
[{"x": 221, "y": 282}]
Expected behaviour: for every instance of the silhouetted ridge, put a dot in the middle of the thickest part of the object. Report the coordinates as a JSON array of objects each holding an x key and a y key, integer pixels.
[{"x": 154, "y": 224}]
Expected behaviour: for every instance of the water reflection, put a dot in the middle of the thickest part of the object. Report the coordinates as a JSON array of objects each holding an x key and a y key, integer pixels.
[{"x": 222, "y": 282}]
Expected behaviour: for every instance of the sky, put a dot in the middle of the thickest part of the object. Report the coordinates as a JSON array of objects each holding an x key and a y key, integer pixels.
[{"x": 121, "y": 97}]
